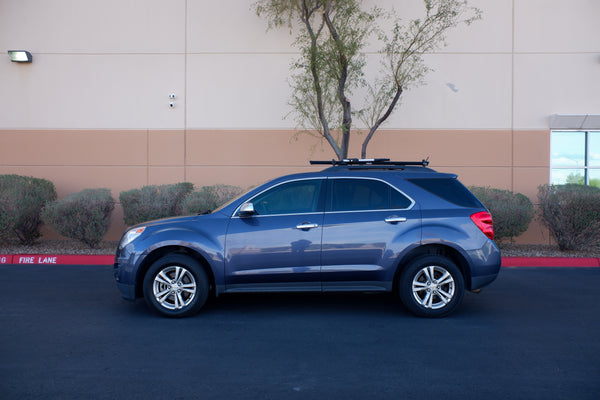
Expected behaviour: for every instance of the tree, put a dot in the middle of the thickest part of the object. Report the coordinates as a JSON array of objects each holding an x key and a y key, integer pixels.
[{"x": 332, "y": 35}]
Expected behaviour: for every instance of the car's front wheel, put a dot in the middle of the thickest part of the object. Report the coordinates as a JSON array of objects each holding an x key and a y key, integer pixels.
[
  {"x": 176, "y": 286},
  {"x": 431, "y": 286}
]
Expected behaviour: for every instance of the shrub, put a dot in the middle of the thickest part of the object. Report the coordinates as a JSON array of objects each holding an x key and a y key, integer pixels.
[
  {"x": 153, "y": 202},
  {"x": 84, "y": 216},
  {"x": 209, "y": 198},
  {"x": 572, "y": 214},
  {"x": 21, "y": 201},
  {"x": 512, "y": 212}
]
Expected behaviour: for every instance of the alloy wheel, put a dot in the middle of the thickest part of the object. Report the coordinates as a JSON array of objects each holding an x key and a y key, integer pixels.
[
  {"x": 174, "y": 287},
  {"x": 433, "y": 287}
]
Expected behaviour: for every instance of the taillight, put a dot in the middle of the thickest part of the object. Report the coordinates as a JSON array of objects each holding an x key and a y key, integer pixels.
[{"x": 483, "y": 220}]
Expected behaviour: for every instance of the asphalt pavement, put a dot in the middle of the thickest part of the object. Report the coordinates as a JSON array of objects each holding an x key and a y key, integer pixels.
[{"x": 65, "y": 333}]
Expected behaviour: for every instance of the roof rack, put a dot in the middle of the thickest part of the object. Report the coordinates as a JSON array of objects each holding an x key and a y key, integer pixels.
[{"x": 371, "y": 161}]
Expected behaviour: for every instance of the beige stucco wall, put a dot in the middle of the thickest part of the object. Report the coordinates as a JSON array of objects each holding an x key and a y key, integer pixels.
[
  {"x": 112, "y": 64},
  {"x": 92, "y": 109},
  {"x": 122, "y": 160}
]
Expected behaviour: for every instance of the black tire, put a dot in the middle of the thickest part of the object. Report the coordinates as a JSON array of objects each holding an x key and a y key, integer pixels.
[
  {"x": 176, "y": 286},
  {"x": 431, "y": 286}
]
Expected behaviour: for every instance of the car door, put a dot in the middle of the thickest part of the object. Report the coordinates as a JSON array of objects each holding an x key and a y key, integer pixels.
[
  {"x": 367, "y": 224},
  {"x": 278, "y": 245}
]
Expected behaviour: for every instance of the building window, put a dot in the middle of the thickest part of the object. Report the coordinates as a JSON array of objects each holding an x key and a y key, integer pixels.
[{"x": 575, "y": 157}]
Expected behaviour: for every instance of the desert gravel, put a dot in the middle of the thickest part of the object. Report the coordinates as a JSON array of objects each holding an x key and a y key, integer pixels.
[{"x": 58, "y": 247}]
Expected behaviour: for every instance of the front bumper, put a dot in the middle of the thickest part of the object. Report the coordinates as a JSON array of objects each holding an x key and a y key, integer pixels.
[
  {"x": 125, "y": 274},
  {"x": 127, "y": 291}
]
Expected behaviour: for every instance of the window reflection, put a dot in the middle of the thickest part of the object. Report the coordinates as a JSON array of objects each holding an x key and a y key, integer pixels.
[
  {"x": 594, "y": 149},
  {"x": 561, "y": 176},
  {"x": 575, "y": 157},
  {"x": 594, "y": 177},
  {"x": 568, "y": 149}
]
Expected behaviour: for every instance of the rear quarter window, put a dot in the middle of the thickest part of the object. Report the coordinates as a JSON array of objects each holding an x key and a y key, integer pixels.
[{"x": 449, "y": 189}]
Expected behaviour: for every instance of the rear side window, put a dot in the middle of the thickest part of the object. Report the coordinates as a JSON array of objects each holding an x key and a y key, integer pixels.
[
  {"x": 449, "y": 189},
  {"x": 364, "y": 195}
]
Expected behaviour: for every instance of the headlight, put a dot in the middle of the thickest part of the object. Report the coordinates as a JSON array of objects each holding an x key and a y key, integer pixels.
[{"x": 131, "y": 235}]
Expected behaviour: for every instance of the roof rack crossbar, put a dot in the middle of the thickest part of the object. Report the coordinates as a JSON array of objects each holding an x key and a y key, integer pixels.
[{"x": 370, "y": 161}]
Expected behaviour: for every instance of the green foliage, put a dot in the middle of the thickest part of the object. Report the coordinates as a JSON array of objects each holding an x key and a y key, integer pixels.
[
  {"x": 84, "y": 216},
  {"x": 572, "y": 214},
  {"x": 153, "y": 202},
  {"x": 579, "y": 179},
  {"x": 209, "y": 198},
  {"x": 512, "y": 212},
  {"x": 575, "y": 178},
  {"x": 332, "y": 36},
  {"x": 21, "y": 201}
]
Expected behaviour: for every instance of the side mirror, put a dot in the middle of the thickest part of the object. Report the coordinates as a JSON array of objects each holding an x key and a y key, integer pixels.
[{"x": 247, "y": 210}]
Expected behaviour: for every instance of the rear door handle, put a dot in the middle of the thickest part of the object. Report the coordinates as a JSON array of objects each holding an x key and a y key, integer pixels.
[
  {"x": 395, "y": 220},
  {"x": 306, "y": 226}
]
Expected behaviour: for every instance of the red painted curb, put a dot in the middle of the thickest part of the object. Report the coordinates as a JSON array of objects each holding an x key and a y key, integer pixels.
[
  {"x": 68, "y": 259},
  {"x": 58, "y": 259},
  {"x": 549, "y": 262}
]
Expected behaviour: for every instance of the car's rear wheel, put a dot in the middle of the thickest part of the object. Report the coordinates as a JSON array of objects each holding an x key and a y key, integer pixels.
[
  {"x": 176, "y": 286},
  {"x": 431, "y": 286}
]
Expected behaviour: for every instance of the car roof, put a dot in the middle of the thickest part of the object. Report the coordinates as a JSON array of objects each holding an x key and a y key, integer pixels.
[
  {"x": 380, "y": 167},
  {"x": 402, "y": 173},
  {"x": 408, "y": 172}
]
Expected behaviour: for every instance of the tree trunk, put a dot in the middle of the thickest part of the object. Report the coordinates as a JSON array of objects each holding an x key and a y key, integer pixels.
[{"x": 363, "y": 153}]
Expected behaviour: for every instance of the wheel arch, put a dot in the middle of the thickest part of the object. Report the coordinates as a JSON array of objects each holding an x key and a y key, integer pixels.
[
  {"x": 434, "y": 249},
  {"x": 163, "y": 251}
]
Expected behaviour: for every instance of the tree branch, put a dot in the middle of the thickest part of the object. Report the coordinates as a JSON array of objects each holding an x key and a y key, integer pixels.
[{"x": 380, "y": 121}]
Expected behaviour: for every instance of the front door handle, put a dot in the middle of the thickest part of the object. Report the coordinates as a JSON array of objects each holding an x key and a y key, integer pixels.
[
  {"x": 395, "y": 220},
  {"x": 306, "y": 226}
]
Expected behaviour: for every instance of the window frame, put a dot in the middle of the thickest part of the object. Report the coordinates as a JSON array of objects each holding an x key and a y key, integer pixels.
[{"x": 586, "y": 167}]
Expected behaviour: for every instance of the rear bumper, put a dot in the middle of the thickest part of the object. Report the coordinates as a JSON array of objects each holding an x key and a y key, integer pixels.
[
  {"x": 485, "y": 265},
  {"x": 477, "y": 282}
]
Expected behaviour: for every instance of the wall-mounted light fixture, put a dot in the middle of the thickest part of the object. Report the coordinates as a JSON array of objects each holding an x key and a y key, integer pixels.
[{"x": 20, "y": 56}]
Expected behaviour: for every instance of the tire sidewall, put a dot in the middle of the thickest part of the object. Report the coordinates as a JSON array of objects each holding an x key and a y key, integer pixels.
[
  {"x": 408, "y": 275},
  {"x": 194, "y": 268}
]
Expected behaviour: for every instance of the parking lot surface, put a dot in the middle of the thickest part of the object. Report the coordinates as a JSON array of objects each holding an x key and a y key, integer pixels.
[{"x": 65, "y": 333}]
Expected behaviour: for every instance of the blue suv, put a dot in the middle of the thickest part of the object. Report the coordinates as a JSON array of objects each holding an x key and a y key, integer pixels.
[{"x": 359, "y": 225}]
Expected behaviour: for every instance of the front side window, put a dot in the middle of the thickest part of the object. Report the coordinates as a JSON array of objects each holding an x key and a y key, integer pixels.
[
  {"x": 364, "y": 195},
  {"x": 297, "y": 197},
  {"x": 575, "y": 157}
]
